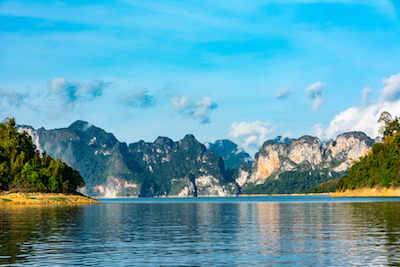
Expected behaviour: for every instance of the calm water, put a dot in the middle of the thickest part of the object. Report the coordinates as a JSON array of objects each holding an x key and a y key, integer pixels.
[{"x": 256, "y": 231}]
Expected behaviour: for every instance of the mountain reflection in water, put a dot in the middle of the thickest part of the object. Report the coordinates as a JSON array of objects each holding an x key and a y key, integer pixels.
[{"x": 204, "y": 231}]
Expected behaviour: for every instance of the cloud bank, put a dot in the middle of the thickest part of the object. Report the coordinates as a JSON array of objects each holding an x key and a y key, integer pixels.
[
  {"x": 364, "y": 118},
  {"x": 314, "y": 92},
  {"x": 137, "y": 97},
  {"x": 200, "y": 110},
  {"x": 252, "y": 134},
  {"x": 66, "y": 95}
]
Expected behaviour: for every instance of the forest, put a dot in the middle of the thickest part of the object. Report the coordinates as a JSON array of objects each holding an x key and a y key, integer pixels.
[
  {"x": 381, "y": 166},
  {"x": 24, "y": 169}
]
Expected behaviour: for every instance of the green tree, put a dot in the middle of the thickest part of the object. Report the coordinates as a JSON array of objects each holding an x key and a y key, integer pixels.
[
  {"x": 390, "y": 126},
  {"x": 22, "y": 168},
  {"x": 381, "y": 166}
]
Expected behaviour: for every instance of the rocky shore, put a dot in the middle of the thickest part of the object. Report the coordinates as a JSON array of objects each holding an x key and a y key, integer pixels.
[
  {"x": 370, "y": 192},
  {"x": 7, "y": 198}
]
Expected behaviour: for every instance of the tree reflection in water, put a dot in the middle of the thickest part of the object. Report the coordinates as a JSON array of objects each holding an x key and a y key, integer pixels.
[{"x": 23, "y": 227}]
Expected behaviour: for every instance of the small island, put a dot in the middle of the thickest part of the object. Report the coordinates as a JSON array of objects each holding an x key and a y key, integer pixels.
[
  {"x": 377, "y": 174},
  {"x": 30, "y": 177}
]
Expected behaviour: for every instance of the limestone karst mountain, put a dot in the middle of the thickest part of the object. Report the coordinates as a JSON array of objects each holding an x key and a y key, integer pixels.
[
  {"x": 302, "y": 163},
  {"x": 112, "y": 168}
]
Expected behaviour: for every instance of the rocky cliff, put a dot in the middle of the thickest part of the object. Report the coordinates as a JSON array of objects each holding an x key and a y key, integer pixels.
[
  {"x": 111, "y": 168},
  {"x": 306, "y": 155}
]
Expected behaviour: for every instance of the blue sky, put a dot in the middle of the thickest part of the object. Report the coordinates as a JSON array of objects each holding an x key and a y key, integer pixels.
[{"x": 243, "y": 70}]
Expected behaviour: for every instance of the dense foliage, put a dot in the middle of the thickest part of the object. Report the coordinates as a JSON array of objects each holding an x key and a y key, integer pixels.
[
  {"x": 23, "y": 169},
  {"x": 292, "y": 182},
  {"x": 325, "y": 187},
  {"x": 381, "y": 166}
]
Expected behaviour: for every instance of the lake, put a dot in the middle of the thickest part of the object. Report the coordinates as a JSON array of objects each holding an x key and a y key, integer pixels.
[{"x": 231, "y": 231}]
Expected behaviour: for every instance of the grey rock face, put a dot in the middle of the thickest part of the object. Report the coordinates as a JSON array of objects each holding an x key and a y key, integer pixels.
[
  {"x": 111, "y": 168},
  {"x": 307, "y": 153}
]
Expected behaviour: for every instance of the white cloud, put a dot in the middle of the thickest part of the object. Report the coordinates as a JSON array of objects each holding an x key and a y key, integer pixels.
[
  {"x": 314, "y": 92},
  {"x": 364, "y": 118},
  {"x": 282, "y": 93},
  {"x": 138, "y": 97},
  {"x": 391, "y": 91},
  {"x": 252, "y": 133},
  {"x": 180, "y": 103},
  {"x": 11, "y": 97},
  {"x": 200, "y": 110},
  {"x": 64, "y": 95}
]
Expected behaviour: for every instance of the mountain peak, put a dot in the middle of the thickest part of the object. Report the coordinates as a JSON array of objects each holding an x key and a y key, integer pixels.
[{"x": 79, "y": 125}]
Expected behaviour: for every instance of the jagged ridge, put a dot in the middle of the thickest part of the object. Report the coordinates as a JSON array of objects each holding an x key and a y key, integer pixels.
[
  {"x": 111, "y": 168},
  {"x": 304, "y": 157}
]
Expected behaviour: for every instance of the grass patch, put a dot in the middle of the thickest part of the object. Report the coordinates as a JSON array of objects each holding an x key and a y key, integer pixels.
[
  {"x": 30, "y": 197},
  {"x": 6, "y": 199}
]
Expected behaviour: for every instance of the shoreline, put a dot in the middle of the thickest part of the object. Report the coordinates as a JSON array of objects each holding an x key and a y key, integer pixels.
[
  {"x": 200, "y": 196},
  {"x": 7, "y": 199},
  {"x": 369, "y": 192}
]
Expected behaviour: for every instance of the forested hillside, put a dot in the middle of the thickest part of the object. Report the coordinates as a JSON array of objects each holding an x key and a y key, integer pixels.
[
  {"x": 23, "y": 169},
  {"x": 381, "y": 166}
]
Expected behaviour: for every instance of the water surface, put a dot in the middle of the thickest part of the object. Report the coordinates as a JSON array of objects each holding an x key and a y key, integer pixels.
[{"x": 239, "y": 231}]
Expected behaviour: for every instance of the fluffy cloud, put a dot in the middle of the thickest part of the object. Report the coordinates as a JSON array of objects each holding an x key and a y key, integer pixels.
[
  {"x": 314, "y": 92},
  {"x": 137, "y": 98},
  {"x": 252, "y": 134},
  {"x": 199, "y": 110},
  {"x": 364, "y": 118},
  {"x": 391, "y": 91},
  {"x": 282, "y": 93},
  {"x": 67, "y": 94},
  {"x": 11, "y": 97}
]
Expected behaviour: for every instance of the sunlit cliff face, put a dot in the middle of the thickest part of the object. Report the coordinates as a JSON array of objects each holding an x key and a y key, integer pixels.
[
  {"x": 302, "y": 150},
  {"x": 307, "y": 153},
  {"x": 268, "y": 165},
  {"x": 350, "y": 147}
]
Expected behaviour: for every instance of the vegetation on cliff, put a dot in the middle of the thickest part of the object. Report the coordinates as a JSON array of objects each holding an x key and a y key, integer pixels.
[
  {"x": 325, "y": 187},
  {"x": 381, "y": 166},
  {"x": 111, "y": 168},
  {"x": 290, "y": 182},
  {"x": 23, "y": 169}
]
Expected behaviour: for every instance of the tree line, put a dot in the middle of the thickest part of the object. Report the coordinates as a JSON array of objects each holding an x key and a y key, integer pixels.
[{"x": 24, "y": 169}]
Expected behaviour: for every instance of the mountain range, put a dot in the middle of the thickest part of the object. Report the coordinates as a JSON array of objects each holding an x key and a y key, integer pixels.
[{"x": 188, "y": 168}]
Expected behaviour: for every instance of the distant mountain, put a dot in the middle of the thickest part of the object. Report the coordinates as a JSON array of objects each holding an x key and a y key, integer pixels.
[
  {"x": 111, "y": 168},
  {"x": 303, "y": 163},
  {"x": 231, "y": 153}
]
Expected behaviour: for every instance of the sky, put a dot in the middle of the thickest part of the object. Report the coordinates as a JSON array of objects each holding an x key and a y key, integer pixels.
[{"x": 242, "y": 70}]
